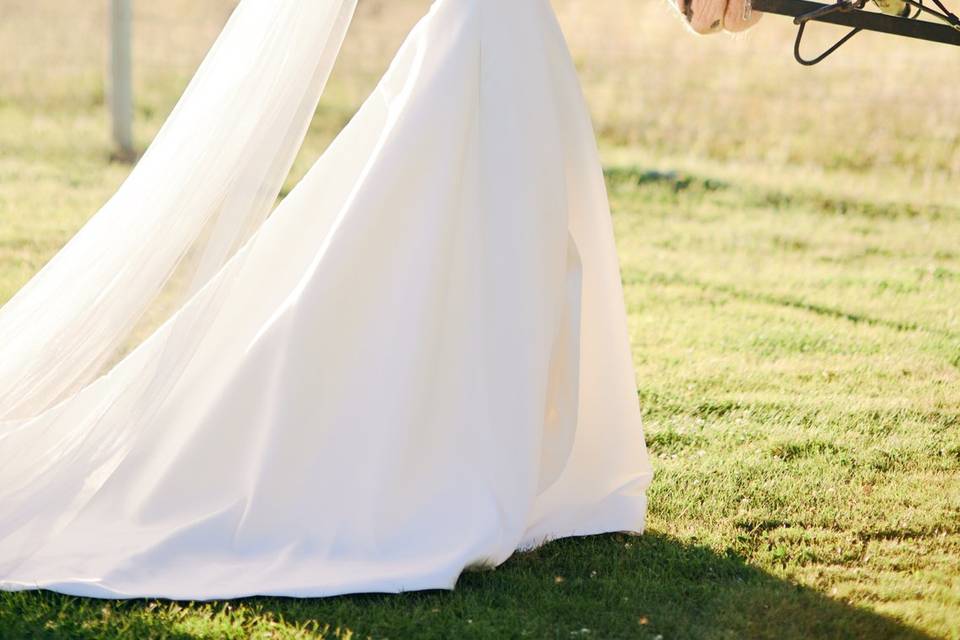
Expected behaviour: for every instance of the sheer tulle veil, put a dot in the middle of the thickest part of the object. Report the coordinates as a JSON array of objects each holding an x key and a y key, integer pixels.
[{"x": 207, "y": 182}]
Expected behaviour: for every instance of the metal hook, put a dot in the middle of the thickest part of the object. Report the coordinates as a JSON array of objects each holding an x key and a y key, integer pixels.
[
  {"x": 809, "y": 62},
  {"x": 851, "y": 13},
  {"x": 802, "y": 20}
]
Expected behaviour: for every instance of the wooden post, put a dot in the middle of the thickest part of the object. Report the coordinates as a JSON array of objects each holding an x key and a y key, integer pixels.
[{"x": 121, "y": 79}]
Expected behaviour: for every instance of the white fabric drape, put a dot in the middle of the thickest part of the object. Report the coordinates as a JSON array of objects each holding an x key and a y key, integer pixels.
[
  {"x": 418, "y": 363},
  {"x": 207, "y": 182}
]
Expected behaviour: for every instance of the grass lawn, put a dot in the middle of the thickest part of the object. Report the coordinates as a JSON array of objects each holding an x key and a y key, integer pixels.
[{"x": 792, "y": 273}]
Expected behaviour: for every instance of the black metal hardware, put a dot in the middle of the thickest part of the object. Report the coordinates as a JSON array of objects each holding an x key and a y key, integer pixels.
[{"x": 852, "y": 13}]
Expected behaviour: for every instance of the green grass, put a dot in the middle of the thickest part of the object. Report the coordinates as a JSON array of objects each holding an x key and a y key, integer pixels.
[
  {"x": 798, "y": 366},
  {"x": 792, "y": 274}
]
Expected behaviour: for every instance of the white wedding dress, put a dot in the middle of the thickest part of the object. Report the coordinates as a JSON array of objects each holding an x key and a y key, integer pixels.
[{"x": 418, "y": 363}]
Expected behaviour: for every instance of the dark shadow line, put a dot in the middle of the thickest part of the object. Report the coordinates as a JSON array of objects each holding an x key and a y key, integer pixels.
[{"x": 794, "y": 303}]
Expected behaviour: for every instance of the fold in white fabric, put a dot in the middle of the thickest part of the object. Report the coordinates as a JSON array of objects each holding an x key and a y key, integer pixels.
[{"x": 418, "y": 363}]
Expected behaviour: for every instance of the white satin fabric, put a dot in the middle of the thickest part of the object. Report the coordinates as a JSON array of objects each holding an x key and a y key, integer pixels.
[{"x": 420, "y": 362}]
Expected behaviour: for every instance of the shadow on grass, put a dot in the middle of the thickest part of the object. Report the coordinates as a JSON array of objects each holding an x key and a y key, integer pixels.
[{"x": 601, "y": 587}]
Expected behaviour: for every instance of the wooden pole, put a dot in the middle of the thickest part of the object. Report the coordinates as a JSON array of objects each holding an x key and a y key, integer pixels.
[{"x": 121, "y": 79}]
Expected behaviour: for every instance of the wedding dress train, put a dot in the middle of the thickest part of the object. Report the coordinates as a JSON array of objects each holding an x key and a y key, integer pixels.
[{"x": 419, "y": 362}]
